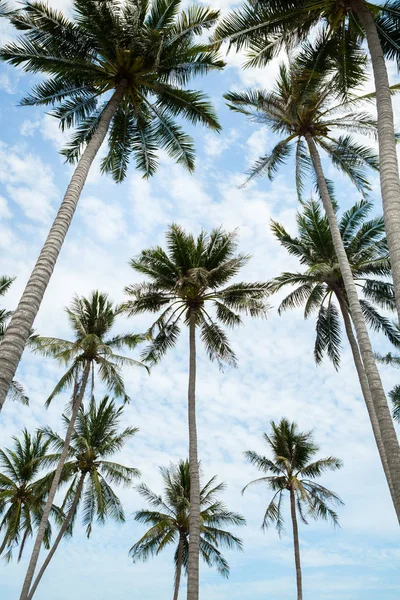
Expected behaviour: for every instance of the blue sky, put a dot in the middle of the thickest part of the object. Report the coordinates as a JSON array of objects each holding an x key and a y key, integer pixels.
[{"x": 276, "y": 377}]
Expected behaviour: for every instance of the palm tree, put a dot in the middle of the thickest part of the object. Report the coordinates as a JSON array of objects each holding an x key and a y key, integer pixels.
[
  {"x": 169, "y": 522},
  {"x": 185, "y": 283},
  {"x": 22, "y": 494},
  {"x": 119, "y": 69},
  {"x": 321, "y": 283},
  {"x": 88, "y": 470},
  {"x": 343, "y": 26},
  {"x": 90, "y": 353},
  {"x": 16, "y": 392},
  {"x": 290, "y": 470},
  {"x": 306, "y": 111}
]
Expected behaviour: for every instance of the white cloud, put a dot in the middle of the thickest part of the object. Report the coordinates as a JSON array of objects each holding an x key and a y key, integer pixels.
[{"x": 106, "y": 220}]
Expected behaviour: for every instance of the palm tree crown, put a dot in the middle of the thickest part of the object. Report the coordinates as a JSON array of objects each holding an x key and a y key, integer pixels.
[
  {"x": 189, "y": 278},
  {"x": 299, "y": 107},
  {"x": 321, "y": 281},
  {"x": 91, "y": 320},
  {"x": 293, "y": 468},
  {"x": 147, "y": 51},
  {"x": 169, "y": 520},
  {"x": 95, "y": 438},
  {"x": 22, "y": 494},
  {"x": 269, "y": 27}
]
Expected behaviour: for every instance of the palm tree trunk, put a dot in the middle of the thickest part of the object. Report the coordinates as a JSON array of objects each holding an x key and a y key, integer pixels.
[
  {"x": 194, "y": 516},
  {"x": 77, "y": 402},
  {"x": 17, "y": 333},
  {"x": 382, "y": 411},
  {"x": 60, "y": 535},
  {"x": 178, "y": 571},
  {"x": 364, "y": 387},
  {"x": 388, "y": 163},
  {"x": 27, "y": 532},
  {"x": 296, "y": 546}
]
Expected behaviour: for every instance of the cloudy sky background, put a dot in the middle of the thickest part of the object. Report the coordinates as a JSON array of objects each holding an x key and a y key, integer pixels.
[{"x": 276, "y": 377}]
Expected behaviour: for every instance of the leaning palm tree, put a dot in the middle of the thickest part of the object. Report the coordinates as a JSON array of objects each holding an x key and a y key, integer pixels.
[
  {"x": 307, "y": 110},
  {"x": 88, "y": 470},
  {"x": 169, "y": 522},
  {"x": 186, "y": 284},
  {"x": 120, "y": 68},
  {"x": 22, "y": 493},
  {"x": 290, "y": 470},
  {"x": 16, "y": 391},
  {"x": 320, "y": 288},
  {"x": 91, "y": 353},
  {"x": 267, "y": 27}
]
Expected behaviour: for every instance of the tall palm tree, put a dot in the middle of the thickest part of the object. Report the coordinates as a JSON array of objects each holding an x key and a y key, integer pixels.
[
  {"x": 16, "y": 391},
  {"x": 120, "y": 68},
  {"x": 90, "y": 353},
  {"x": 290, "y": 470},
  {"x": 307, "y": 111},
  {"x": 88, "y": 470},
  {"x": 169, "y": 522},
  {"x": 320, "y": 288},
  {"x": 186, "y": 283},
  {"x": 343, "y": 27},
  {"x": 22, "y": 493}
]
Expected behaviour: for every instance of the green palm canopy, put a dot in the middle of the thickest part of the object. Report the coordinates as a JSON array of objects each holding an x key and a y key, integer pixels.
[
  {"x": 270, "y": 26},
  {"x": 22, "y": 493},
  {"x": 299, "y": 107},
  {"x": 91, "y": 320},
  {"x": 169, "y": 520},
  {"x": 190, "y": 277},
  {"x": 148, "y": 51},
  {"x": 293, "y": 468},
  {"x": 96, "y": 437},
  {"x": 319, "y": 285}
]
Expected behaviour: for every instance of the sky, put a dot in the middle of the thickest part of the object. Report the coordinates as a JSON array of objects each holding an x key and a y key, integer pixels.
[{"x": 276, "y": 376}]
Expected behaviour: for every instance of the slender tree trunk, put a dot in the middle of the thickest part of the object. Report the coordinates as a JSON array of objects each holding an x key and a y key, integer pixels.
[
  {"x": 77, "y": 402},
  {"x": 18, "y": 330},
  {"x": 178, "y": 571},
  {"x": 382, "y": 411},
  {"x": 296, "y": 546},
  {"x": 60, "y": 535},
  {"x": 365, "y": 387},
  {"x": 388, "y": 163},
  {"x": 194, "y": 516},
  {"x": 27, "y": 532}
]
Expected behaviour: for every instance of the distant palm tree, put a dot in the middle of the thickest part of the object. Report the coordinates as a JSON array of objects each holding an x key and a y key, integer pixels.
[
  {"x": 186, "y": 283},
  {"x": 88, "y": 470},
  {"x": 119, "y": 69},
  {"x": 290, "y": 470},
  {"x": 170, "y": 522},
  {"x": 16, "y": 391},
  {"x": 22, "y": 494},
  {"x": 90, "y": 353},
  {"x": 307, "y": 111}
]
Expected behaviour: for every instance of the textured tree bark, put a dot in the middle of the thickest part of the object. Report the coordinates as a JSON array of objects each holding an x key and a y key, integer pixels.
[
  {"x": 77, "y": 402},
  {"x": 388, "y": 163},
  {"x": 17, "y": 333},
  {"x": 296, "y": 546},
  {"x": 382, "y": 411},
  {"x": 178, "y": 571},
  {"x": 365, "y": 388},
  {"x": 194, "y": 516},
  {"x": 60, "y": 535}
]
